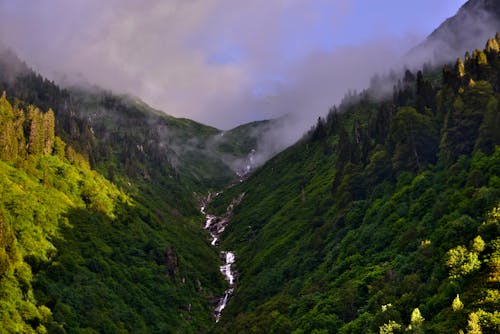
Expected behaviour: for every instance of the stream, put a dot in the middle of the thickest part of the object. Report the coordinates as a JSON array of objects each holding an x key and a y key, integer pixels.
[{"x": 215, "y": 225}]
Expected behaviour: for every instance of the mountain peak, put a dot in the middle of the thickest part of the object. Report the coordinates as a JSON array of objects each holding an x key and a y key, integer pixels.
[{"x": 475, "y": 22}]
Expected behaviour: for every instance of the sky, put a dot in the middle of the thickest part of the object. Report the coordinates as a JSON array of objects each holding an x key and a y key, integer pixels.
[{"x": 221, "y": 62}]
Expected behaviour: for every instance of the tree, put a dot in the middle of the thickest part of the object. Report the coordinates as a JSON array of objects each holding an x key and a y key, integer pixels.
[
  {"x": 426, "y": 98},
  {"x": 473, "y": 326},
  {"x": 36, "y": 142},
  {"x": 463, "y": 120},
  {"x": 478, "y": 244},
  {"x": 489, "y": 136},
  {"x": 391, "y": 327},
  {"x": 457, "y": 304},
  {"x": 19, "y": 120},
  {"x": 414, "y": 140},
  {"x": 492, "y": 45},
  {"x": 49, "y": 131},
  {"x": 462, "y": 262},
  {"x": 8, "y": 142},
  {"x": 416, "y": 321}
]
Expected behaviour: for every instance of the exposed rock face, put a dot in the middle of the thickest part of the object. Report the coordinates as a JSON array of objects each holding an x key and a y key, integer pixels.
[{"x": 217, "y": 224}]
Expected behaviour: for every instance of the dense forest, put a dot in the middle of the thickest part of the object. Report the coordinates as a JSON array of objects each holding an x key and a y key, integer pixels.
[
  {"x": 99, "y": 228},
  {"x": 384, "y": 218},
  {"x": 80, "y": 255}
]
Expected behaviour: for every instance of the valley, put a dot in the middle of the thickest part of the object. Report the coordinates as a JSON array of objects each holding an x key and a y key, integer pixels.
[{"x": 384, "y": 217}]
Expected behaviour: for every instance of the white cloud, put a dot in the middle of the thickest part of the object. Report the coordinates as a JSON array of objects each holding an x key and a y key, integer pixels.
[{"x": 211, "y": 60}]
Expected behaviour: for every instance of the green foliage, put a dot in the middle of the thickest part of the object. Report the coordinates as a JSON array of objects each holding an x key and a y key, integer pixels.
[
  {"x": 377, "y": 205},
  {"x": 385, "y": 216},
  {"x": 391, "y": 327},
  {"x": 461, "y": 261},
  {"x": 416, "y": 322},
  {"x": 473, "y": 326},
  {"x": 457, "y": 304},
  {"x": 77, "y": 254},
  {"x": 242, "y": 139},
  {"x": 414, "y": 138}
]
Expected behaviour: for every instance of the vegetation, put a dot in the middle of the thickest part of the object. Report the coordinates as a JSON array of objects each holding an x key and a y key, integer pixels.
[
  {"x": 79, "y": 254},
  {"x": 383, "y": 219},
  {"x": 244, "y": 138}
]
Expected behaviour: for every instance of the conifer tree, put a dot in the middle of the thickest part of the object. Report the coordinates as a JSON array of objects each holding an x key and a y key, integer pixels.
[
  {"x": 49, "y": 131},
  {"x": 457, "y": 304},
  {"x": 36, "y": 143},
  {"x": 8, "y": 143}
]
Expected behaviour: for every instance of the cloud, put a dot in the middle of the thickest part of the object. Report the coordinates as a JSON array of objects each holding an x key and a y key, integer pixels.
[
  {"x": 173, "y": 54},
  {"x": 220, "y": 62},
  {"x": 468, "y": 30}
]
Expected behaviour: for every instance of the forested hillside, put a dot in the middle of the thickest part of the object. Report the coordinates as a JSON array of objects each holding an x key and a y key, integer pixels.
[
  {"x": 122, "y": 136},
  {"x": 80, "y": 255},
  {"x": 383, "y": 219},
  {"x": 100, "y": 228}
]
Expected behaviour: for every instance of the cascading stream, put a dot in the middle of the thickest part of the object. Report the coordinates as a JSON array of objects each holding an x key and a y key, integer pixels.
[
  {"x": 229, "y": 276},
  {"x": 215, "y": 226}
]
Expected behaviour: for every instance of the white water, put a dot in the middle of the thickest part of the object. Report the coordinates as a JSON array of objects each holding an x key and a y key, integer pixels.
[
  {"x": 216, "y": 225},
  {"x": 226, "y": 269},
  {"x": 229, "y": 276}
]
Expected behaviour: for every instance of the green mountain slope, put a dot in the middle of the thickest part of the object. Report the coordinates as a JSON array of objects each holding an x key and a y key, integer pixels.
[
  {"x": 148, "y": 267},
  {"x": 384, "y": 215},
  {"x": 79, "y": 255},
  {"x": 121, "y": 135},
  {"x": 242, "y": 139}
]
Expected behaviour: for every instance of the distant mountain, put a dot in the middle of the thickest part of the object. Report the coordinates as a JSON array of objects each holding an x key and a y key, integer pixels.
[
  {"x": 474, "y": 23},
  {"x": 121, "y": 134}
]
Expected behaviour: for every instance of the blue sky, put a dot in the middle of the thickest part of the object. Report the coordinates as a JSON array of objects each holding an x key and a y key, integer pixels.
[
  {"x": 221, "y": 62},
  {"x": 336, "y": 24}
]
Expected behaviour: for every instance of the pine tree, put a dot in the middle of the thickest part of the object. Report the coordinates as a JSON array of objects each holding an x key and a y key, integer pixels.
[
  {"x": 416, "y": 322},
  {"x": 19, "y": 121},
  {"x": 36, "y": 131},
  {"x": 457, "y": 304},
  {"x": 412, "y": 137},
  {"x": 8, "y": 142},
  {"x": 492, "y": 46},
  {"x": 48, "y": 131},
  {"x": 489, "y": 136}
]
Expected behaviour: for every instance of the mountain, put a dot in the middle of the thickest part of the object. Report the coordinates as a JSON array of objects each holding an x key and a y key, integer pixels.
[
  {"x": 121, "y": 131},
  {"x": 382, "y": 219},
  {"x": 99, "y": 228},
  {"x": 475, "y": 22},
  {"x": 79, "y": 254}
]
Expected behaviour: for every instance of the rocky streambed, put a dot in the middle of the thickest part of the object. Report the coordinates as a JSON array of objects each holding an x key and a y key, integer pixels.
[{"x": 215, "y": 225}]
